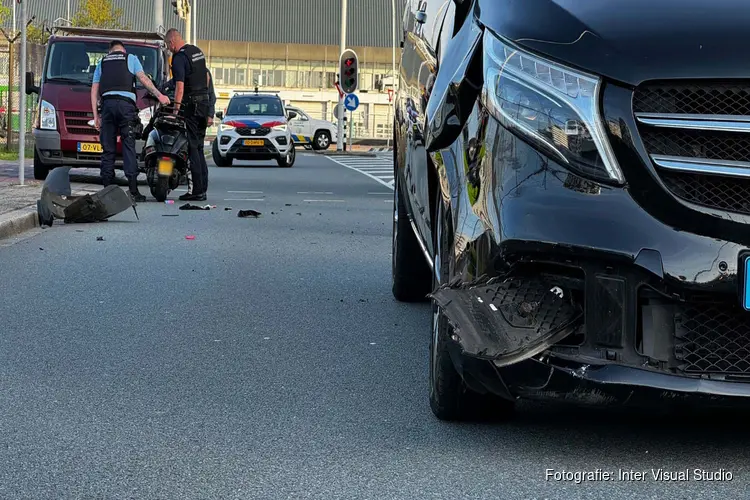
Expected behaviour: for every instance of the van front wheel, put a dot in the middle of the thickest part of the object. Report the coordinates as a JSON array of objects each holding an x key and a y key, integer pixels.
[{"x": 41, "y": 171}]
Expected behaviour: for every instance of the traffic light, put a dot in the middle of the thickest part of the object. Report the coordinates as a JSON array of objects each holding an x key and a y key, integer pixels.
[
  {"x": 349, "y": 71},
  {"x": 177, "y": 7}
]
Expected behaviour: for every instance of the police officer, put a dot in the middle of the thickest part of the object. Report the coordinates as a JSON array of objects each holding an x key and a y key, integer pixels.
[
  {"x": 114, "y": 81},
  {"x": 192, "y": 97},
  {"x": 211, "y": 113}
]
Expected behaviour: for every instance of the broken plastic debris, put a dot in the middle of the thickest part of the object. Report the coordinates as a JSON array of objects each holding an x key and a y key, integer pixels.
[
  {"x": 248, "y": 213},
  {"x": 169, "y": 202},
  {"x": 188, "y": 206},
  {"x": 189, "y": 237}
]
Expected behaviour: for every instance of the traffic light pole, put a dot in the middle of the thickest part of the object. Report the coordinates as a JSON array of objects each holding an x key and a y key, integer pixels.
[{"x": 342, "y": 48}]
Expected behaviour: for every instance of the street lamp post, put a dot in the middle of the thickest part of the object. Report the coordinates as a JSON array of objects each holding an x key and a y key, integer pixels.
[
  {"x": 392, "y": 109},
  {"x": 22, "y": 95},
  {"x": 158, "y": 14}
]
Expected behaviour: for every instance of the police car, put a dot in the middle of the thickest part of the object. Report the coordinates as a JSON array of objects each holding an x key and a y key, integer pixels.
[
  {"x": 255, "y": 128},
  {"x": 311, "y": 133}
]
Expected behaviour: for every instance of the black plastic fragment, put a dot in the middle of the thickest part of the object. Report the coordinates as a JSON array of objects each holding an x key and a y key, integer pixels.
[{"x": 248, "y": 213}]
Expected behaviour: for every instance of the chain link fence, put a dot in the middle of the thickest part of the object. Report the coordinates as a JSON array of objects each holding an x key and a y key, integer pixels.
[{"x": 10, "y": 96}]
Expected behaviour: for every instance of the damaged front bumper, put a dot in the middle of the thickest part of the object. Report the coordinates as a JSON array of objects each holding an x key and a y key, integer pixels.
[{"x": 529, "y": 334}]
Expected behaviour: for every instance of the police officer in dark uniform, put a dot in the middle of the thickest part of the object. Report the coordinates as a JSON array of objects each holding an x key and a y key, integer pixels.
[
  {"x": 114, "y": 82},
  {"x": 192, "y": 97}
]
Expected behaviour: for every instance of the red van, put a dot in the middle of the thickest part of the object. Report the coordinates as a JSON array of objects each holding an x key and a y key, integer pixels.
[{"x": 64, "y": 134}]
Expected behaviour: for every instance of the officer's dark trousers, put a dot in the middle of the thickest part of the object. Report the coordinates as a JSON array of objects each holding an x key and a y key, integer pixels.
[
  {"x": 117, "y": 118},
  {"x": 196, "y": 128}
]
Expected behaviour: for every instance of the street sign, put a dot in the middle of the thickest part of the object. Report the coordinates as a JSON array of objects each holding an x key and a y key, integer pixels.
[
  {"x": 351, "y": 102},
  {"x": 337, "y": 112}
]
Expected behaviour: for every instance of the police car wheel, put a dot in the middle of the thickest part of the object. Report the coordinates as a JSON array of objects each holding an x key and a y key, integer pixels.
[
  {"x": 287, "y": 160},
  {"x": 322, "y": 140},
  {"x": 219, "y": 160}
]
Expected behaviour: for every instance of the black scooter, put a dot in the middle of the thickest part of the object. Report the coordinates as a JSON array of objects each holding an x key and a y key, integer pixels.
[{"x": 165, "y": 155}]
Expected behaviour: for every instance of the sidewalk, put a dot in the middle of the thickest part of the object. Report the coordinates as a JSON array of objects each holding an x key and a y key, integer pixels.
[{"x": 18, "y": 203}]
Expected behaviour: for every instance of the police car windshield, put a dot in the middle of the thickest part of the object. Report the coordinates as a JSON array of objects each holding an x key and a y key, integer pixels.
[
  {"x": 75, "y": 61},
  {"x": 255, "y": 105}
]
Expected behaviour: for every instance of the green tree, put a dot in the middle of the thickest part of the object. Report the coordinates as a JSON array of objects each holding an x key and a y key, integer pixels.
[
  {"x": 37, "y": 34},
  {"x": 99, "y": 14}
]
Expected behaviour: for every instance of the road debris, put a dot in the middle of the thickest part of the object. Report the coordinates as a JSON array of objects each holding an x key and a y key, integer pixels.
[
  {"x": 170, "y": 215},
  {"x": 169, "y": 202},
  {"x": 188, "y": 206},
  {"x": 227, "y": 209},
  {"x": 190, "y": 237},
  {"x": 100, "y": 238},
  {"x": 248, "y": 213}
]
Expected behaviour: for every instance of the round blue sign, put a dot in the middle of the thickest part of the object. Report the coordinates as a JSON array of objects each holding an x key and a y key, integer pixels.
[{"x": 351, "y": 102}]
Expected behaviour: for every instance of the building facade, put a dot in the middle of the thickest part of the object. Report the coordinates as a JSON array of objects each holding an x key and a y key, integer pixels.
[{"x": 291, "y": 46}]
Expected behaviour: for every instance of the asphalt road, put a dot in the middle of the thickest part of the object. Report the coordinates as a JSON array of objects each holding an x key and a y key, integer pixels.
[{"x": 267, "y": 359}]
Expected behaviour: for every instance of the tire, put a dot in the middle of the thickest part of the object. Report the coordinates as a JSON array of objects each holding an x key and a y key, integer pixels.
[
  {"x": 322, "y": 140},
  {"x": 410, "y": 271},
  {"x": 219, "y": 160},
  {"x": 41, "y": 171},
  {"x": 450, "y": 397},
  {"x": 160, "y": 187},
  {"x": 288, "y": 160}
]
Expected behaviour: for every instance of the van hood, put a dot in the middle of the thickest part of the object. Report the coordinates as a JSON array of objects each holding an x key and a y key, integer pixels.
[
  {"x": 633, "y": 40},
  {"x": 67, "y": 97}
]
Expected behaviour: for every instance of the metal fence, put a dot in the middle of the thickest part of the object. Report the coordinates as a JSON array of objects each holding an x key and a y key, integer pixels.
[{"x": 10, "y": 96}]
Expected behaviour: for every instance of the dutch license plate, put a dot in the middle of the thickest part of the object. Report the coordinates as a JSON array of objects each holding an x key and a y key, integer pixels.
[
  {"x": 746, "y": 285},
  {"x": 165, "y": 167},
  {"x": 89, "y": 147},
  {"x": 252, "y": 142}
]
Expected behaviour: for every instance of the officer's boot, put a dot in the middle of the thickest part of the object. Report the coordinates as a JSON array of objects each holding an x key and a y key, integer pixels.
[{"x": 134, "y": 193}]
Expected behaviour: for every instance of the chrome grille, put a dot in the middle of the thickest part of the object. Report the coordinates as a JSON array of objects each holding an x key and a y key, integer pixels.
[
  {"x": 693, "y": 99},
  {"x": 698, "y": 136}
]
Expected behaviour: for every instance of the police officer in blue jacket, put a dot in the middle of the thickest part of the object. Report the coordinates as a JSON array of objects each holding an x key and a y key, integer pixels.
[{"x": 114, "y": 82}]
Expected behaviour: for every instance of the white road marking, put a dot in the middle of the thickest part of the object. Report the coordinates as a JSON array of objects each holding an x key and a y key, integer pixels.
[
  {"x": 244, "y": 199},
  {"x": 316, "y": 192},
  {"x": 332, "y": 201},
  {"x": 492, "y": 306},
  {"x": 379, "y": 169}
]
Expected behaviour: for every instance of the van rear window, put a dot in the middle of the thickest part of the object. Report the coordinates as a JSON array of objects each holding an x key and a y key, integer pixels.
[{"x": 75, "y": 61}]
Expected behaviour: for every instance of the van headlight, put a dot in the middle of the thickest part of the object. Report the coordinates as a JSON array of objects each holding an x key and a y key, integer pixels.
[
  {"x": 145, "y": 116},
  {"x": 47, "y": 116},
  {"x": 556, "y": 107}
]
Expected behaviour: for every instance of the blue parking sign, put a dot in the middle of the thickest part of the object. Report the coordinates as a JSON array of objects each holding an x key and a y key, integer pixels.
[{"x": 351, "y": 102}]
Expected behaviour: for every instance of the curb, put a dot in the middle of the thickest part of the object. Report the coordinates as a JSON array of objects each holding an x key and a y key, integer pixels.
[
  {"x": 18, "y": 222},
  {"x": 380, "y": 150}
]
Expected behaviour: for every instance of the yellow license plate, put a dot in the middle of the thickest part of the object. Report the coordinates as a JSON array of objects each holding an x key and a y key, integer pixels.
[
  {"x": 165, "y": 167},
  {"x": 253, "y": 142},
  {"x": 89, "y": 147}
]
